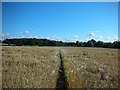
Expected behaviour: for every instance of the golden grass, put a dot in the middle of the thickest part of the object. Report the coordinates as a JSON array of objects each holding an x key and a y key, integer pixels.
[
  {"x": 37, "y": 67},
  {"x": 30, "y": 67},
  {"x": 91, "y": 67}
]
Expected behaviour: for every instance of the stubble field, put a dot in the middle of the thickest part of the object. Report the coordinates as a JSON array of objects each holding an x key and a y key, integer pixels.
[
  {"x": 91, "y": 67},
  {"x": 29, "y": 67},
  {"x": 38, "y": 67}
]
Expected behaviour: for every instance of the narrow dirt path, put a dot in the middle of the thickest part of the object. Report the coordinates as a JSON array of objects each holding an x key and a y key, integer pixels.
[{"x": 61, "y": 81}]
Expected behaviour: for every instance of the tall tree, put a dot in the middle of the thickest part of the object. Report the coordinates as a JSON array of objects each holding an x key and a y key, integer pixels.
[
  {"x": 100, "y": 44},
  {"x": 90, "y": 43}
]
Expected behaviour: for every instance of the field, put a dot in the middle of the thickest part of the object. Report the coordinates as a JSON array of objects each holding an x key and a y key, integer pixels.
[
  {"x": 38, "y": 67},
  {"x": 28, "y": 67},
  {"x": 91, "y": 67}
]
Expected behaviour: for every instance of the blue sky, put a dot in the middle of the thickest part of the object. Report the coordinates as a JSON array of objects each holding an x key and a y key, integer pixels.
[{"x": 66, "y": 21}]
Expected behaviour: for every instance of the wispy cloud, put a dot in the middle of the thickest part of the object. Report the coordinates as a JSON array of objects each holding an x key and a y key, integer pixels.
[
  {"x": 25, "y": 32},
  {"x": 91, "y": 34}
]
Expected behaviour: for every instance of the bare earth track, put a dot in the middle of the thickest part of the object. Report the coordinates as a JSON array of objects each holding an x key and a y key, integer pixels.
[{"x": 42, "y": 67}]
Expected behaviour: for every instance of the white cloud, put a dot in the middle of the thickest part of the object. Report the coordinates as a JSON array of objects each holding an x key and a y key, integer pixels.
[
  {"x": 91, "y": 34},
  {"x": 75, "y": 36},
  {"x": 25, "y": 32}
]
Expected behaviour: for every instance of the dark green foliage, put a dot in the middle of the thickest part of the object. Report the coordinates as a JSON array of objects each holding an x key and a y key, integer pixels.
[
  {"x": 79, "y": 44},
  {"x": 94, "y": 42},
  {"x": 100, "y": 44},
  {"x": 90, "y": 44},
  {"x": 46, "y": 42}
]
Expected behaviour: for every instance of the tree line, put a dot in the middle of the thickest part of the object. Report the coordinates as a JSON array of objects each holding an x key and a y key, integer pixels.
[{"x": 47, "y": 42}]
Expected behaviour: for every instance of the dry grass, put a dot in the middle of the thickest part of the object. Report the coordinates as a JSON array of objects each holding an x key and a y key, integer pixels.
[
  {"x": 37, "y": 67},
  {"x": 30, "y": 67},
  {"x": 91, "y": 67}
]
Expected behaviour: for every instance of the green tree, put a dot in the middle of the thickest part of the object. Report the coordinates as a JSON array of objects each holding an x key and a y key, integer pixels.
[
  {"x": 77, "y": 43},
  {"x": 90, "y": 44},
  {"x": 100, "y": 44},
  {"x": 94, "y": 42}
]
